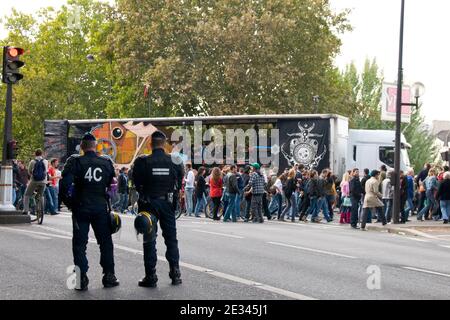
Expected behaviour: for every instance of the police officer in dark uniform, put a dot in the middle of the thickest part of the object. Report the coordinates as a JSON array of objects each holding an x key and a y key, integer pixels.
[
  {"x": 85, "y": 180},
  {"x": 155, "y": 177}
]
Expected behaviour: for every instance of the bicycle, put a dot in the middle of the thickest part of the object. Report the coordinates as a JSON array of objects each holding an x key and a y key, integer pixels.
[{"x": 37, "y": 208}]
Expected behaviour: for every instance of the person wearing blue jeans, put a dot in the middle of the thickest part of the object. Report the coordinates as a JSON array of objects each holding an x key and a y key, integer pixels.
[
  {"x": 189, "y": 189},
  {"x": 200, "y": 192},
  {"x": 431, "y": 187},
  {"x": 232, "y": 191},
  {"x": 443, "y": 194}
]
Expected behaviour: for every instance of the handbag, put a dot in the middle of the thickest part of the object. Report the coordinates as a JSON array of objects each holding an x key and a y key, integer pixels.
[
  {"x": 248, "y": 194},
  {"x": 347, "y": 202}
]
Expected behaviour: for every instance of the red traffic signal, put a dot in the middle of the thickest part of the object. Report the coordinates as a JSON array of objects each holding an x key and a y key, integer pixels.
[
  {"x": 14, "y": 52},
  {"x": 12, "y": 64}
]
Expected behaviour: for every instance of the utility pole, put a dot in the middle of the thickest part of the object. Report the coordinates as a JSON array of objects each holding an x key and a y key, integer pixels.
[{"x": 398, "y": 121}]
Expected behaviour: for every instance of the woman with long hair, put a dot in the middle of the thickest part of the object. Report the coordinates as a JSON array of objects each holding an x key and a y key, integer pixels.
[
  {"x": 431, "y": 186},
  {"x": 289, "y": 194},
  {"x": 216, "y": 188}
]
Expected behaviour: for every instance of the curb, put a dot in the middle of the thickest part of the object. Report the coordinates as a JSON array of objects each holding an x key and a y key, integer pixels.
[{"x": 401, "y": 231}]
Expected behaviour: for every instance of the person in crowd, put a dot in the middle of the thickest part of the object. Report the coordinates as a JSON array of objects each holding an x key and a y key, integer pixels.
[
  {"x": 321, "y": 201},
  {"x": 122, "y": 188},
  {"x": 247, "y": 196},
  {"x": 387, "y": 191},
  {"x": 443, "y": 195},
  {"x": 409, "y": 193},
  {"x": 189, "y": 181},
  {"x": 278, "y": 193},
  {"x": 346, "y": 203},
  {"x": 216, "y": 189},
  {"x": 363, "y": 184},
  {"x": 372, "y": 198},
  {"x": 421, "y": 177},
  {"x": 22, "y": 182},
  {"x": 289, "y": 189},
  {"x": 37, "y": 169},
  {"x": 53, "y": 186},
  {"x": 239, "y": 195},
  {"x": 257, "y": 187},
  {"x": 233, "y": 191},
  {"x": 356, "y": 194},
  {"x": 313, "y": 190},
  {"x": 431, "y": 186},
  {"x": 330, "y": 190},
  {"x": 226, "y": 176},
  {"x": 403, "y": 196},
  {"x": 304, "y": 192},
  {"x": 200, "y": 191}
]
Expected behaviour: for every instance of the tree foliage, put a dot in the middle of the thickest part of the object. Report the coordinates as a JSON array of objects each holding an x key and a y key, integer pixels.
[{"x": 366, "y": 96}]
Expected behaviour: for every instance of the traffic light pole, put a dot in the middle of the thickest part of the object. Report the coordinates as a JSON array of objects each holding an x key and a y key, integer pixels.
[
  {"x": 8, "y": 213},
  {"x": 7, "y": 129}
]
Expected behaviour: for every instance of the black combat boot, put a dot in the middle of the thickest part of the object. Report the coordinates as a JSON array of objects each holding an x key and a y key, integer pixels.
[
  {"x": 84, "y": 282},
  {"x": 109, "y": 280},
  {"x": 149, "y": 281},
  {"x": 175, "y": 275}
]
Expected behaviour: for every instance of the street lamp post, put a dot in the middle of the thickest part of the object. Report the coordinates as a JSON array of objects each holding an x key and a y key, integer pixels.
[
  {"x": 398, "y": 121},
  {"x": 419, "y": 90}
]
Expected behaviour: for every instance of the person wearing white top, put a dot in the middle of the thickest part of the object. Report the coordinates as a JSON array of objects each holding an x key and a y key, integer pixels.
[{"x": 189, "y": 189}]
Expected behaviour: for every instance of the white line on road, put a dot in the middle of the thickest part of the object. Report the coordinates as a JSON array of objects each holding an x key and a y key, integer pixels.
[
  {"x": 262, "y": 286},
  {"x": 448, "y": 247},
  {"x": 427, "y": 271},
  {"x": 219, "y": 234},
  {"x": 312, "y": 250}
]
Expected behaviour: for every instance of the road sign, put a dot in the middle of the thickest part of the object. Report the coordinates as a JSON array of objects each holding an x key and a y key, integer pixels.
[{"x": 389, "y": 103}]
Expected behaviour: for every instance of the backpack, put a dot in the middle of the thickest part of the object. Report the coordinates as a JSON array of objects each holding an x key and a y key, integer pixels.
[{"x": 39, "y": 172}]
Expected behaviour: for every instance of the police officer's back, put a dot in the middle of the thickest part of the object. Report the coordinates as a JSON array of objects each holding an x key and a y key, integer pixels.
[
  {"x": 155, "y": 178},
  {"x": 85, "y": 180}
]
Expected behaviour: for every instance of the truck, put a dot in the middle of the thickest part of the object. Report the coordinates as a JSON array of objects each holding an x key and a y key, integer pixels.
[{"x": 316, "y": 141}]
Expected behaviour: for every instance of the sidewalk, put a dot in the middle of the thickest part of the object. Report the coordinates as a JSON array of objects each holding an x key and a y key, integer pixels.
[{"x": 427, "y": 229}]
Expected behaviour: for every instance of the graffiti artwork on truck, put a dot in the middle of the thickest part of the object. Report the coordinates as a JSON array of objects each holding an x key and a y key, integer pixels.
[
  {"x": 124, "y": 142},
  {"x": 303, "y": 147}
]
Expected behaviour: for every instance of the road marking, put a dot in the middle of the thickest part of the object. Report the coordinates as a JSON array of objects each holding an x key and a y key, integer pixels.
[
  {"x": 448, "y": 247},
  {"x": 427, "y": 271},
  {"x": 262, "y": 286},
  {"x": 67, "y": 233},
  {"x": 312, "y": 250},
  {"x": 219, "y": 234}
]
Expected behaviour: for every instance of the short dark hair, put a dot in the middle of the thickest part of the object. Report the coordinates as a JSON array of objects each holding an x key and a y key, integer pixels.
[
  {"x": 38, "y": 152},
  {"x": 158, "y": 142},
  {"x": 233, "y": 166},
  {"x": 383, "y": 168},
  {"x": 87, "y": 144},
  {"x": 366, "y": 171},
  {"x": 53, "y": 161}
]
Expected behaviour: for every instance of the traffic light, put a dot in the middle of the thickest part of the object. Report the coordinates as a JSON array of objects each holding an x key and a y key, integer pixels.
[
  {"x": 12, "y": 64},
  {"x": 12, "y": 149}
]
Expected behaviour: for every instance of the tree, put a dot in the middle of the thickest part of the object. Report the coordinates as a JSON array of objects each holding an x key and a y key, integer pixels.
[
  {"x": 227, "y": 56},
  {"x": 366, "y": 112},
  {"x": 59, "y": 82}
]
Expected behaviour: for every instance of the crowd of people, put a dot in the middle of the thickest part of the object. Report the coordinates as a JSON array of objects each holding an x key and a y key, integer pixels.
[{"x": 251, "y": 192}]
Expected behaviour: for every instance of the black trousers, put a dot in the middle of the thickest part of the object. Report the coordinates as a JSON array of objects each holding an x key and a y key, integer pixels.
[
  {"x": 216, "y": 202},
  {"x": 102, "y": 229},
  {"x": 163, "y": 211},
  {"x": 305, "y": 203},
  {"x": 354, "y": 211}
]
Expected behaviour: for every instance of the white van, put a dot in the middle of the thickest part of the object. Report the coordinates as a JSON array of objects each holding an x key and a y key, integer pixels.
[{"x": 373, "y": 148}]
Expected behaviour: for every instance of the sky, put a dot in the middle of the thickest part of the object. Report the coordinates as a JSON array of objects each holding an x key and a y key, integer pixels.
[{"x": 376, "y": 27}]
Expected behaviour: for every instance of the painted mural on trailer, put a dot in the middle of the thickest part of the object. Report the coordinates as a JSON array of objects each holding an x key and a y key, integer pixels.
[
  {"x": 123, "y": 142},
  {"x": 304, "y": 142}
]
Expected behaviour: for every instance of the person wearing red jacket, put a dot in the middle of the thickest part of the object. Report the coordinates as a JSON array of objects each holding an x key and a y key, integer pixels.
[{"x": 215, "y": 190}]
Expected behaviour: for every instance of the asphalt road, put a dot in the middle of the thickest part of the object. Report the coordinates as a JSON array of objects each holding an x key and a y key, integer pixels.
[{"x": 274, "y": 260}]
